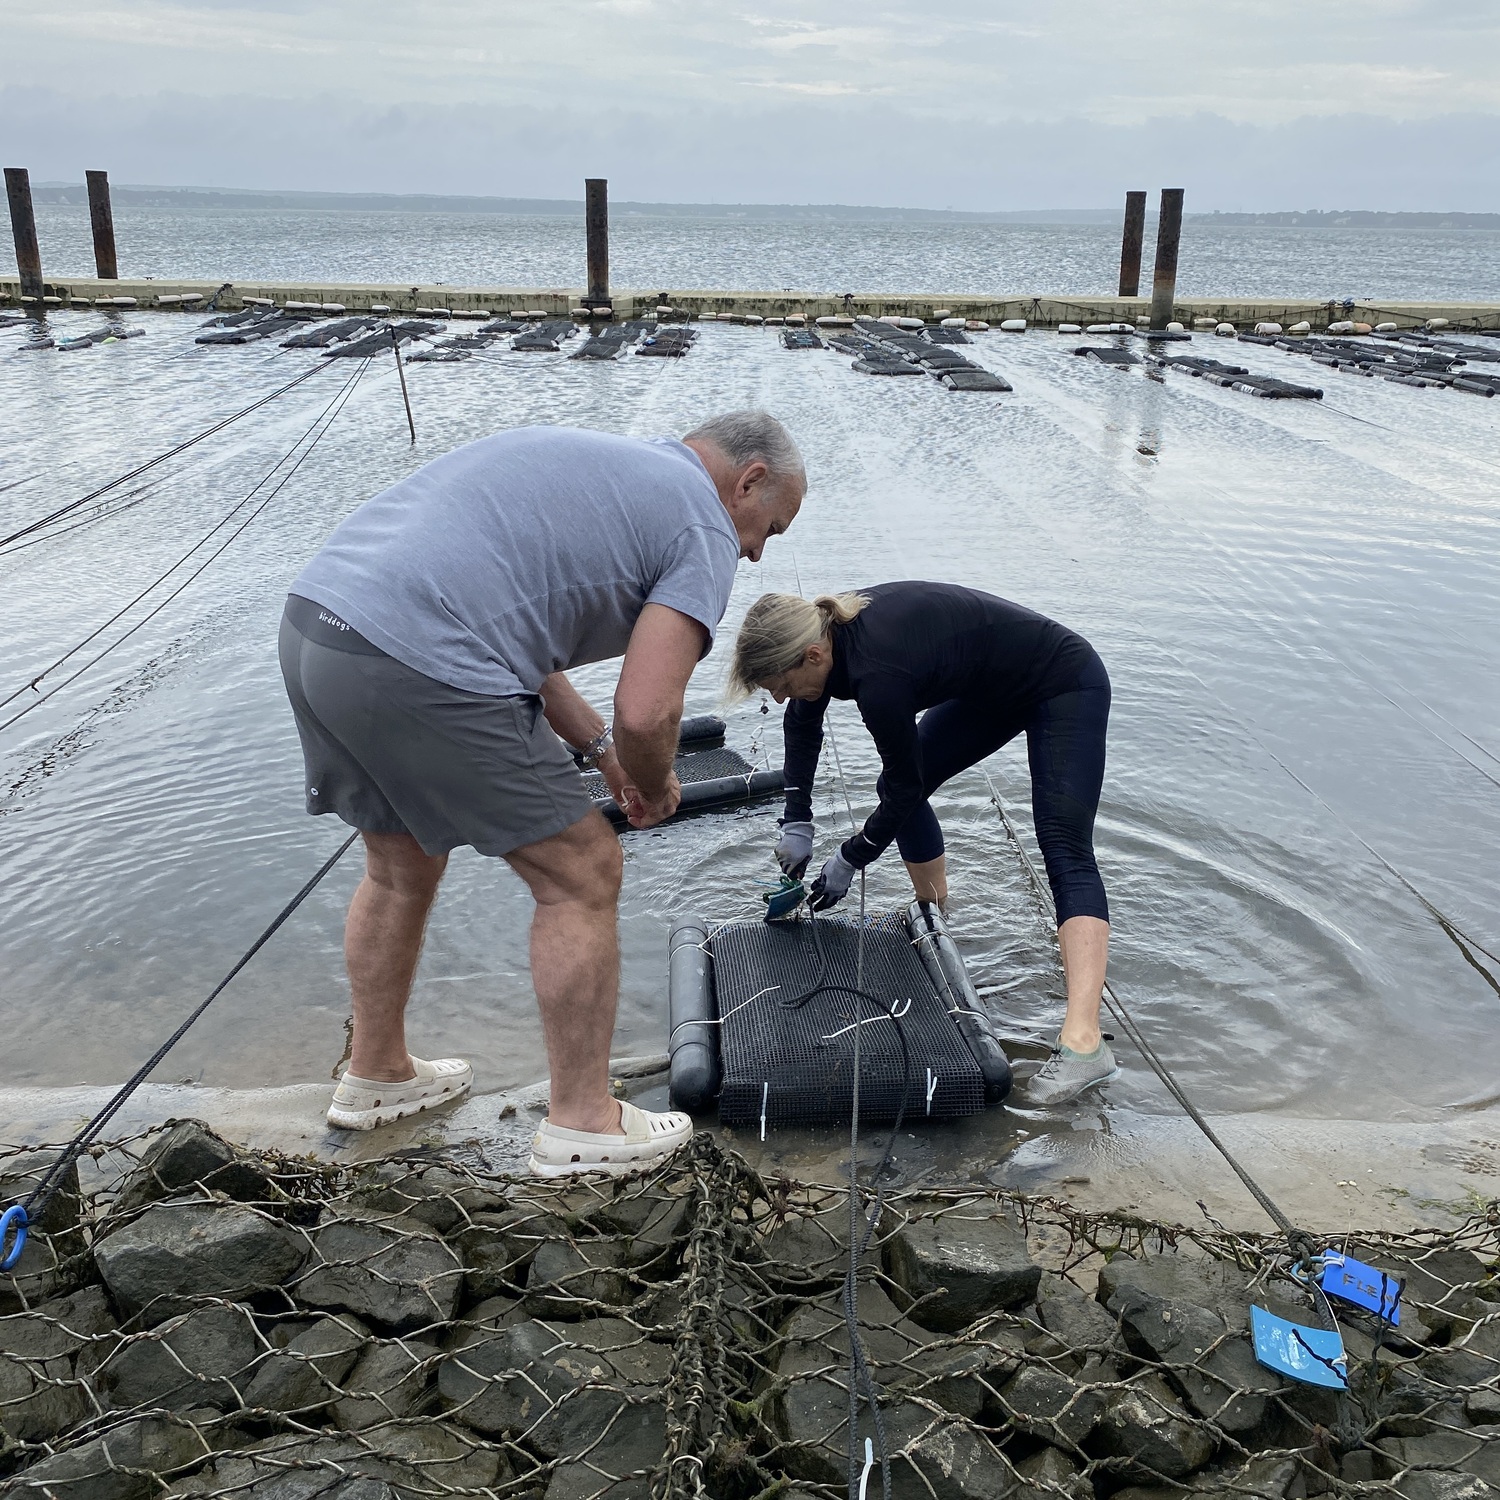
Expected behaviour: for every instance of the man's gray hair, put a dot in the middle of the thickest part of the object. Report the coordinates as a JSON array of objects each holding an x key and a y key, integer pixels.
[{"x": 745, "y": 436}]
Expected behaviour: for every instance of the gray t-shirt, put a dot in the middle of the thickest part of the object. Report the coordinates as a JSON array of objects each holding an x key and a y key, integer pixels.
[{"x": 527, "y": 553}]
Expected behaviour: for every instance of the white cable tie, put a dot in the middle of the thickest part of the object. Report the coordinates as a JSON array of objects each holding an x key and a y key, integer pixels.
[
  {"x": 765, "y": 1094},
  {"x": 932, "y": 1084},
  {"x": 864, "y": 1478}
]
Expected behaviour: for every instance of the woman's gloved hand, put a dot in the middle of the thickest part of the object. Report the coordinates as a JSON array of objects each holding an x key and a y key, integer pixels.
[
  {"x": 833, "y": 882},
  {"x": 794, "y": 848}
]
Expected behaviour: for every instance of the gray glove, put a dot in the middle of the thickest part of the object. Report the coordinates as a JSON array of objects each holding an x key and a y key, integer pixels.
[
  {"x": 833, "y": 882},
  {"x": 794, "y": 848}
]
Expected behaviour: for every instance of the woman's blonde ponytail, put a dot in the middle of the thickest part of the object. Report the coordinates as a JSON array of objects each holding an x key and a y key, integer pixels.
[{"x": 776, "y": 633}]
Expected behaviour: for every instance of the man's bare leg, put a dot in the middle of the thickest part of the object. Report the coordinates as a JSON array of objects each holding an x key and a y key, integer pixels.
[
  {"x": 1084, "y": 942},
  {"x": 930, "y": 879},
  {"x": 382, "y": 943},
  {"x": 575, "y": 965}
]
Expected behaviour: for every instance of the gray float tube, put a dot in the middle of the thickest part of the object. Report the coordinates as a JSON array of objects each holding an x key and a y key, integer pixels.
[
  {"x": 693, "y": 1042},
  {"x": 703, "y": 796},
  {"x": 945, "y": 967}
]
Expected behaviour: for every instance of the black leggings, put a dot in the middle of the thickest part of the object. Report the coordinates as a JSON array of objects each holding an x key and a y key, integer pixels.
[{"x": 1065, "y": 745}]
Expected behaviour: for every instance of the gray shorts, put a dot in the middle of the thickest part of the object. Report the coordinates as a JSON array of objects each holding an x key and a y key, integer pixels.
[{"x": 393, "y": 751}]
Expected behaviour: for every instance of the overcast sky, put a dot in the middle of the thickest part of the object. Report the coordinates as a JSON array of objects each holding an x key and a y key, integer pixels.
[{"x": 946, "y": 103}]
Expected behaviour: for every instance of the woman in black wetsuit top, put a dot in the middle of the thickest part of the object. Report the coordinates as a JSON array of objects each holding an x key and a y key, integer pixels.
[{"x": 979, "y": 670}]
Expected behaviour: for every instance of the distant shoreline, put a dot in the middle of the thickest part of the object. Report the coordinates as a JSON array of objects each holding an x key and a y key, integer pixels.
[{"x": 243, "y": 199}]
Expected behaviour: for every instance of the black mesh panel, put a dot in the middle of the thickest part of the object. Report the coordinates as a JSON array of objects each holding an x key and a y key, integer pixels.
[{"x": 790, "y": 1057}]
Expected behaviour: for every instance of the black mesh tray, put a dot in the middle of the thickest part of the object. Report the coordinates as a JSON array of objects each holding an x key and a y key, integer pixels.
[
  {"x": 710, "y": 778},
  {"x": 794, "y": 1065}
]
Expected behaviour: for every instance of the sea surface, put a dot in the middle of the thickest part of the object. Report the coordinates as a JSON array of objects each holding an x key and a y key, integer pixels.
[
  {"x": 1299, "y": 604},
  {"x": 675, "y": 255}
]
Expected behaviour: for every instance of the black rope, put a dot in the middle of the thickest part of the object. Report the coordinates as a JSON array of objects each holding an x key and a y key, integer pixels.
[
  {"x": 315, "y": 433},
  {"x": 1300, "y": 1243},
  {"x": 151, "y": 463},
  {"x": 42, "y": 1193}
]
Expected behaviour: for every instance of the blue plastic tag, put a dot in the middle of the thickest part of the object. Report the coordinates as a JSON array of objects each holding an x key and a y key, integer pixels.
[
  {"x": 785, "y": 899},
  {"x": 1363, "y": 1285},
  {"x": 1315, "y": 1356}
]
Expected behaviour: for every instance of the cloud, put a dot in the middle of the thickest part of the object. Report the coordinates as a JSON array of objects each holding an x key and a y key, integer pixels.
[
  {"x": 1257, "y": 62},
  {"x": 799, "y": 150}
]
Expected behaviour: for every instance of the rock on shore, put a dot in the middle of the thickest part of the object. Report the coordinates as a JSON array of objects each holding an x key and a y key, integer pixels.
[{"x": 225, "y": 1324}]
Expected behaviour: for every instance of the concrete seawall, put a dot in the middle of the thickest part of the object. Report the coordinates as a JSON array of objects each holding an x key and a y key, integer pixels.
[{"x": 77, "y": 291}]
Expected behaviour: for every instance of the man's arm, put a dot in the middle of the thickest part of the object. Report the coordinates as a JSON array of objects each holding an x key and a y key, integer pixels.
[
  {"x": 664, "y": 648},
  {"x": 573, "y": 718},
  {"x": 576, "y": 722}
]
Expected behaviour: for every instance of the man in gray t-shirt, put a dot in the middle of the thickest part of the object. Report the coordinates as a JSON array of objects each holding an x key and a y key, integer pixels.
[{"x": 424, "y": 650}]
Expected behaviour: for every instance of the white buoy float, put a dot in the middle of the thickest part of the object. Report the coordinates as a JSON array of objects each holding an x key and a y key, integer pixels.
[
  {"x": 1387, "y": 327},
  {"x": 1225, "y": 330},
  {"x": 1266, "y": 329},
  {"x": 380, "y": 307},
  {"x": 953, "y": 322},
  {"x": 1013, "y": 325},
  {"x": 796, "y": 320},
  {"x": 977, "y": 325},
  {"x": 1175, "y": 328},
  {"x": 257, "y": 302},
  {"x": 1302, "y": 327},
  {"x": 1069, "y": 328},
  {"x": 909, "y": 323},
  {"x": 1437, "y": 323},
  {"x": 1343, "y": 325}
]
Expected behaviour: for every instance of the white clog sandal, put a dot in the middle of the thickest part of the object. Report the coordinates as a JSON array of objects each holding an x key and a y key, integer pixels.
[
  {"x": 364, "y": 1103},
  {"x": 649, "y": 1138}
]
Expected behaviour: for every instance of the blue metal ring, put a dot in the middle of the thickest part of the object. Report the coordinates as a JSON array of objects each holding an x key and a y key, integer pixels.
[{"x": 13, "y": 1220}]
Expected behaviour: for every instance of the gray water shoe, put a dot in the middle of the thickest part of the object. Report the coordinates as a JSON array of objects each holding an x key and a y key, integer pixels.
[{"x": 1066, "y": 1074}]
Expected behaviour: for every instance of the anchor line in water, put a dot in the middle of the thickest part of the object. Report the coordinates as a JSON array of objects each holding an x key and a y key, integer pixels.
[
  {"x": 307, "y": 442},
  {"x": 1299, "y": 1242},
  {"x": 107, "y": 511},
  {"x": 151, "y": 463},
  {"x": 861, "y": 1224},
  {"x": 39, "y": 1197}
]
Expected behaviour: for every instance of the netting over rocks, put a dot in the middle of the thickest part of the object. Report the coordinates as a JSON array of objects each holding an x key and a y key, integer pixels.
[{"x": 221, "y": 1324}]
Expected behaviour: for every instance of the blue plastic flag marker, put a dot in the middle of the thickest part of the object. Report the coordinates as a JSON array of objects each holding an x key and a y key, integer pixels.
[
  {"x": 12, "y": 1222},
  {"x": 1363, "y": 1285},
  {"x": 1315, "y": 1356}
]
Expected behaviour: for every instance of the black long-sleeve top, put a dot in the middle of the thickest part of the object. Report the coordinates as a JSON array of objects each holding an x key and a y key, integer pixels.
[{"x": 913, "y": 646}]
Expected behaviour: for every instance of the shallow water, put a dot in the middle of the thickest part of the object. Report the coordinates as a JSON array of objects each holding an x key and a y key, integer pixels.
[
  {"x": 674, "y": 255},
  {"x": 1284, "y": 593}
]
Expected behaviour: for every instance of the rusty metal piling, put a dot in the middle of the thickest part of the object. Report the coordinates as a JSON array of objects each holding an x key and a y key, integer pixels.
[
  {"x": 1164, "y": 279},
  {"x": 596, "y": 227},
  {"x": 103, "y": 223},
  {"x": 1130, "y": 244},
  {"x": 23, "y": 228}
]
